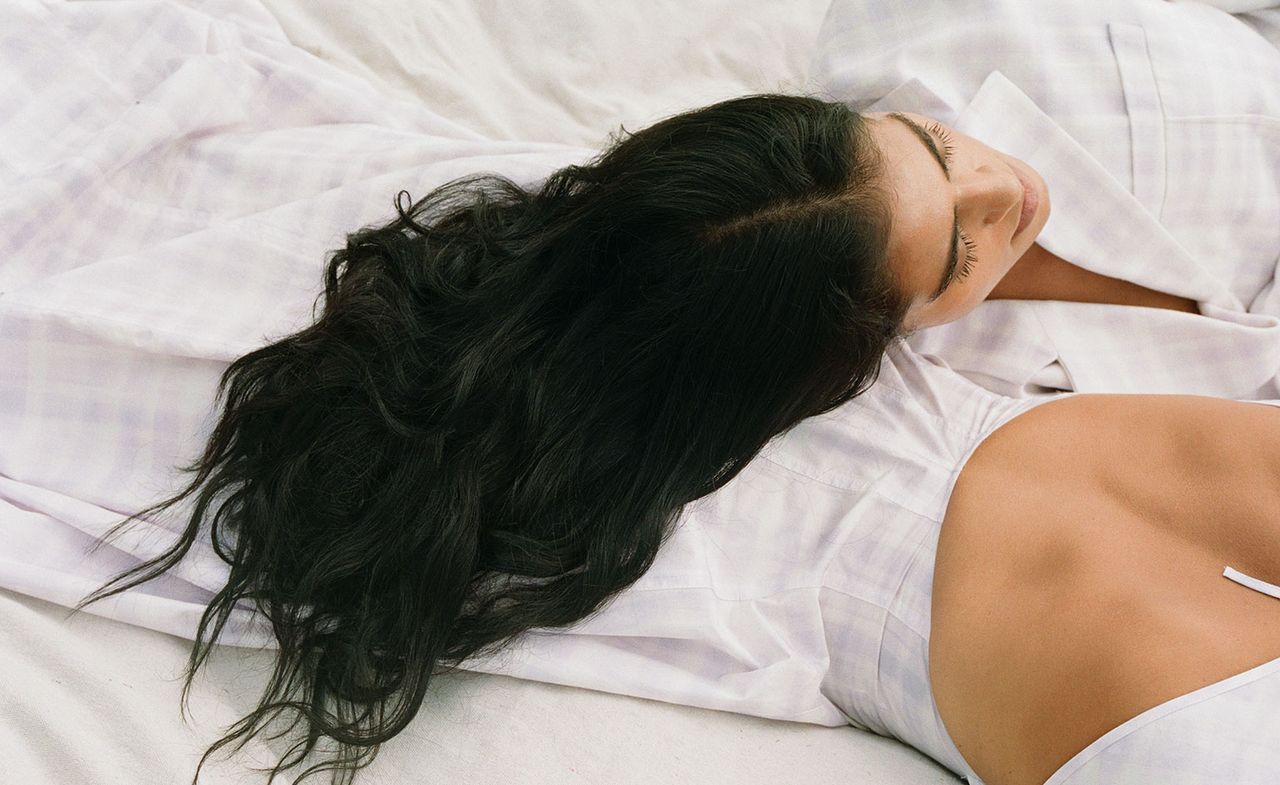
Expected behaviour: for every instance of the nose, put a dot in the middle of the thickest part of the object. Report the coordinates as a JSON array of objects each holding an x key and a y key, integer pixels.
[{"x": 988, "y": 193}]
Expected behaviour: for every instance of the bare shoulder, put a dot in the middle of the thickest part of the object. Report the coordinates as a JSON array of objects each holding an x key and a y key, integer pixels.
[
  {"x": 1043, "y": 479},
  {"x": 1083, "y": 535}
]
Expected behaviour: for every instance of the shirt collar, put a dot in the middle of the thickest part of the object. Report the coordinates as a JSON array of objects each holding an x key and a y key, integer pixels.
[{"x": 1094, "y": 221}]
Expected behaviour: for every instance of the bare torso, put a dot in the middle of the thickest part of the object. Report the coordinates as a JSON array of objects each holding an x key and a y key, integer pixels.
[{"x": 1079, "y": 580}]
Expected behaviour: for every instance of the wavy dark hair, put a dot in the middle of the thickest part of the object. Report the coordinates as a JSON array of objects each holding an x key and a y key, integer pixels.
[{"x": 511, "y": 393}]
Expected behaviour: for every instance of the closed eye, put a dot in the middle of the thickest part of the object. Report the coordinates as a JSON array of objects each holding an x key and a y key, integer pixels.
[
  {"x": 927, "y": 135},
  {"x": 941, "y": 133},
  {"x": 969, "y": 257},
  {"x": 948, "y": 151}
]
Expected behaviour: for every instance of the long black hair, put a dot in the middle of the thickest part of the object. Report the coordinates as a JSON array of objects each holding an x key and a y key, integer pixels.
[{"x": 511, "y": 393}]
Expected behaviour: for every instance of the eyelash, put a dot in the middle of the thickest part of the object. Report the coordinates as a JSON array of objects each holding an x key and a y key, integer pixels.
[{"x": 969, "y": 245}]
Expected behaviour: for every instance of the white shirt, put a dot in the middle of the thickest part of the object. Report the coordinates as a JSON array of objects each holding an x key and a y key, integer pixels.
[{"x": 1157, "y": 129}]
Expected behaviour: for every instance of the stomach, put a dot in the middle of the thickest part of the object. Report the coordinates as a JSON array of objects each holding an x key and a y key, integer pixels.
[{"x": 1079, "y": 573}]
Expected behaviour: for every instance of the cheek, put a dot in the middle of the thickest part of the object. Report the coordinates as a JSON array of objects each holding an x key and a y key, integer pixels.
[
  {"x": 984, "y": 274},
  {"x": 990, "y": 274},
  {"x": 958, "y": 301},
  {"x": 966, "y": 300},
  {"x": 967, "y": 294}
]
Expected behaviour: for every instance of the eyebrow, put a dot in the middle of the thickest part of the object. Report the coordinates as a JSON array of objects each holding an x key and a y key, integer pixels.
[{"x": 952, "y": 258}]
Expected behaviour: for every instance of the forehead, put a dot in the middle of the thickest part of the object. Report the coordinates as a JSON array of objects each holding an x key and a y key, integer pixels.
[{"x": 919, "y": 235}]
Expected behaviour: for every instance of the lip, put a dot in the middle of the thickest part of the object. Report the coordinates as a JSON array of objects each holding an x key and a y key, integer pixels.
[{"x": 1030, "y": 201}]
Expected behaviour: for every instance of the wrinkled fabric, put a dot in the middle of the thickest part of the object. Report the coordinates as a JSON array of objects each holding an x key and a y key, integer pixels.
[
  {"x": 171, "y": 180},
  {"x": 1156, "y": 127}
]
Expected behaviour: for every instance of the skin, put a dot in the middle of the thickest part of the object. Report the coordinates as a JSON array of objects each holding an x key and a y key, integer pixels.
[
  {"x": 984, "y": 192},
  {"x": 1091, "y": 589}
]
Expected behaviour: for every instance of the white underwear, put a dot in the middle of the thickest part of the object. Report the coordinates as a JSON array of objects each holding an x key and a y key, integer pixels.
[{"x": 1224, "y": 732}]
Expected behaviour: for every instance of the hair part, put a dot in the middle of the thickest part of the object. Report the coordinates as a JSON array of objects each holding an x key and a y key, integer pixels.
[{"x": 510, "y": 394}]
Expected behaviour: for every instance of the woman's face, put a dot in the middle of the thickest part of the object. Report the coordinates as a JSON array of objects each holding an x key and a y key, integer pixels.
[{"x": 976, "y": 196}]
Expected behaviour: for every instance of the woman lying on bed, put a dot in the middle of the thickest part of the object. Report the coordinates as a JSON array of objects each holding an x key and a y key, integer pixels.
[{"x": 510, "y": 396}]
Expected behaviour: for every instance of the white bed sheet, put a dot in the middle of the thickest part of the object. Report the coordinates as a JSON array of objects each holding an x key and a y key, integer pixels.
[
  {"x": 93, "y": 701},
  {"x": 567, "y": 71}
]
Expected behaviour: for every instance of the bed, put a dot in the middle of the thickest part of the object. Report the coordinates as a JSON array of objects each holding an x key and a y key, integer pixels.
[{"x": 93, "y": 699}]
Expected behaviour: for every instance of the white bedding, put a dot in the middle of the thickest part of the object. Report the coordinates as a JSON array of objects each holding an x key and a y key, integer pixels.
[
  {"x": 95, "y": 700},
  {"x": 91, "y": 701},
  {"x": 569, "y": 71}
]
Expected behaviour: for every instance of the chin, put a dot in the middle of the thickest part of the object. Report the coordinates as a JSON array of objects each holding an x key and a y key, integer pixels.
[
  {"x": 1046, "y": 203},
  {"x": 1042, "y": 209}
]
